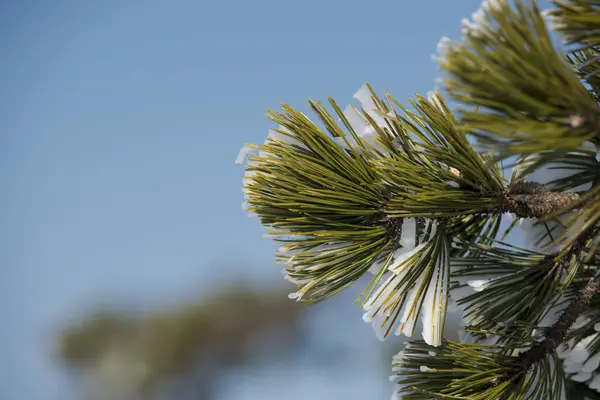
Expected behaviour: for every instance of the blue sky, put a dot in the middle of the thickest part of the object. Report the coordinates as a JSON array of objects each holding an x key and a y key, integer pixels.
[{"x": 119, "y": 125}]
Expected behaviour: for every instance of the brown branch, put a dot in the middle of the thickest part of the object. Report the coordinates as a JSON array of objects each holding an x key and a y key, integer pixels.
[
  {"x": 534, "y": 200},
  {"x": 557, "y": 333},
  {"x": 525, "y": 200}
]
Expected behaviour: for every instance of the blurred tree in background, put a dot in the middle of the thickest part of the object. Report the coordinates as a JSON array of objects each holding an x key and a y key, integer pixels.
[{"x": 177, "y": 353}]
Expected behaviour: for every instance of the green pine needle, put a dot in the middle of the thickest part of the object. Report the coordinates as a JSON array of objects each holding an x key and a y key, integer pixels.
[
  {"x": 528, "y": 98},
  {"x": 473, "y": 372}
]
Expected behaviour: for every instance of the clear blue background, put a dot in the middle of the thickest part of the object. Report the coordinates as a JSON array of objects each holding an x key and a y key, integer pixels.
[{"x": 119, "y": 125}]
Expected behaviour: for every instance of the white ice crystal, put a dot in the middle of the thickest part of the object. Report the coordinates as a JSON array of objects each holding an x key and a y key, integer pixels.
[
  {"x": 381, "y": 304},
  {"x": 360, "y": 124}
]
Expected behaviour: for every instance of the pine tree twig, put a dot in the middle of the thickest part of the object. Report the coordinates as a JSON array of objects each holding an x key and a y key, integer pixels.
[
  {"x": 524, "y": 199},
  {"x": 557, "y": 333},
  {"x": 534, "y": 200}
]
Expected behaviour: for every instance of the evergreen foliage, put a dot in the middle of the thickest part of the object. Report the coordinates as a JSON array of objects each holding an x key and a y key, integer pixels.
[{"x": 416, "y": 195}]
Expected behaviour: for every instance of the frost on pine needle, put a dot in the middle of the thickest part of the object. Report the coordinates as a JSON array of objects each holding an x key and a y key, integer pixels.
[
  {"x": 444, "y": 45},
  {"x": 244, "y": 151},
  {"x": 576, "y": 121},
  {"x": 398, "y": 295},
  {"x": 477, "y": 24},
  {"x": 360, "y": 124},
  {"x": 550, "y": 19}
]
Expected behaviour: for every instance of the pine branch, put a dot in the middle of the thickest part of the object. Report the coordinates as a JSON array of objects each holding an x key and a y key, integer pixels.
[
  {"x": 525, "y": 200},
  {"x": 522, "y": 107},
  {"x": 398, "y": 190},
  {"x": 518, "y": 296},
  {"x": 534, "y": 200},
  {"x": 577, "y": 21},
  {"x": 557, "y": 333}
]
